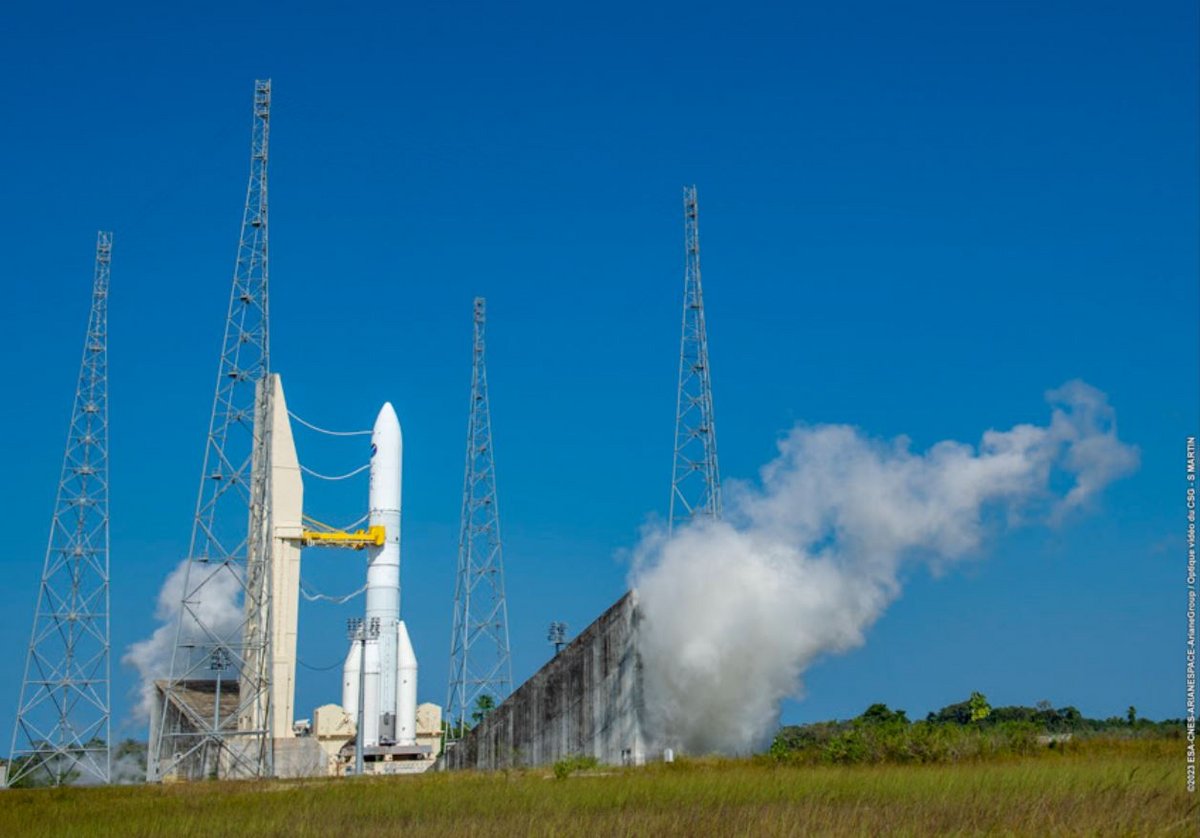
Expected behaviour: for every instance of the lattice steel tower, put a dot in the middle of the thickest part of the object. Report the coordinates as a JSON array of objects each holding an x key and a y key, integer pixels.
[
  {"x": 228, "y": 553},
  {"x": 480, "y": 663},
  {"x": 62, "y": 730},
  {"x": 696, "y": 480}
]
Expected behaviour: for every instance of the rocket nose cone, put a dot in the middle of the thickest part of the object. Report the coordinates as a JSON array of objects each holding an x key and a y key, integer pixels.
[{"x": 387, "y": 417}]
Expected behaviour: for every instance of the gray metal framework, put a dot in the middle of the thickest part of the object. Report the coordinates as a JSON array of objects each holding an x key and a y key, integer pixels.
[
  {"x": 230, "y": 532},
  {"x": 480, "y": 661},
  {"x": 62, "y": 731},
  {"x": 696, "y": 480}
]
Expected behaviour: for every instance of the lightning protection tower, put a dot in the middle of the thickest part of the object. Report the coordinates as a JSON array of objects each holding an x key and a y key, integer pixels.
[
  {"x": 696, "y": 480},
  {"x": 223, "y": 632},
  {"x": 480, "y": 663},
  {"x": 62, "y": 730}
]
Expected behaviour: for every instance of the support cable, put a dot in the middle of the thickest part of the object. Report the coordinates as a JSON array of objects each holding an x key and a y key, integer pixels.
[
  {"x": 336, "y": 663},
  {"x": 355, "y": 524},
  {"x": 313, "y": 427},
  {"x": 320, "y": 597},
  {"x": 320, "y": 476}
]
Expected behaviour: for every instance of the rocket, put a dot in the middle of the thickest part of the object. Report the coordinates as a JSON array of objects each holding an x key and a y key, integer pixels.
[{"x": 386, "y": 664}]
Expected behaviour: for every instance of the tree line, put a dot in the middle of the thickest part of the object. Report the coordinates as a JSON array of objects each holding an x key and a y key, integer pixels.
[{"x": 965, "y": 730}]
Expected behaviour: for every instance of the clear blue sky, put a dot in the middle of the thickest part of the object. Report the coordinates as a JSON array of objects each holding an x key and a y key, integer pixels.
[{"x": 915, "y": 219}]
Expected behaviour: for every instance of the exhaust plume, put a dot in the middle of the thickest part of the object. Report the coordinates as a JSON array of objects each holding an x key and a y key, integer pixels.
[
  {"x": 219, "y": 608},
  {"x": 807, "y": 558}
]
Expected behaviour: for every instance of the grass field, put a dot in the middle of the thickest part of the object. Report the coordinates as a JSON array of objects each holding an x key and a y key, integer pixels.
[{"x": 1096, "y": 788}]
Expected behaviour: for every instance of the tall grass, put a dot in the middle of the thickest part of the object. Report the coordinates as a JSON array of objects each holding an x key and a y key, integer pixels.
[{"x": 1104, "y": 787}]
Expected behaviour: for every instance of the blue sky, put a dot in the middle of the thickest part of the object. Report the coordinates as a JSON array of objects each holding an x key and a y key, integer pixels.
[{"x": 915, "y": 220}]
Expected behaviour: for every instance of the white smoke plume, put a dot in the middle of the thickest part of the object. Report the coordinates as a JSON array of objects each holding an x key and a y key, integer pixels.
[
  {"x": 217, "y": 606},
  {"x": 807, "y": 559},
  {"x": 127, "y": 768}
]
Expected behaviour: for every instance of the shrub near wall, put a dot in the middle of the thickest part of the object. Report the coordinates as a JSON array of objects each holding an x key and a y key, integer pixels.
[{"x": 899, "y": 742}]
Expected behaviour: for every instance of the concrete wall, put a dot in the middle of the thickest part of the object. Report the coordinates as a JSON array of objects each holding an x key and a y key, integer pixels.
[
  {"x": 282, "y": 514},
  {"x": 287, "y": 505},
  {"x": 300, "y": 756},
  {"x": 586, "y": 701}
]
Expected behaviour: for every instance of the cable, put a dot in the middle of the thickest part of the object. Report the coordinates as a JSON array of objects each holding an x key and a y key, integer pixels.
[
  {"x": 323, "y": 431},
  {"x": 320, "y": 476},
  {"x": 336, "y": 600},
  {"x": 352, "y": 526},
  {"x": 336, "y": 663},
  {"x": 323, "y": 527}
]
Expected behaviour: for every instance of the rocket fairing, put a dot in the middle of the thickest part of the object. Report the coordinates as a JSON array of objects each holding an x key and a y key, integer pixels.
[{"x": 385, "y": 665}]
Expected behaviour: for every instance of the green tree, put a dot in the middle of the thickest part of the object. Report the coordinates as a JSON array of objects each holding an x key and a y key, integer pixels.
[
  {"x": 484, "y": 705},
  {"x": 1131, "y": 715},
  {"x": 881, "y": 714},
  {"x": 978, "y": 704}
]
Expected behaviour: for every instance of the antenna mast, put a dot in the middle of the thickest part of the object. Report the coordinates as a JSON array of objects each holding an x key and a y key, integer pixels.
[
  {"x": 696, "y": 480},
  {"x": 62, "y": 732},
  {"x": 228, "y": 556},
  {"x": 480, "y": 662}
]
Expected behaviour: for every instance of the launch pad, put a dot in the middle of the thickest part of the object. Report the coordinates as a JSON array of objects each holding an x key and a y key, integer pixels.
[
  {"x": 378, "y": 727},
  {"x": 227, "y": 705}
]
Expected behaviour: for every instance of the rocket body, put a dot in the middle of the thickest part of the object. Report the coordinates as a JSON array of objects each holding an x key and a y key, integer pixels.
[{"x": 386, "y": 663}]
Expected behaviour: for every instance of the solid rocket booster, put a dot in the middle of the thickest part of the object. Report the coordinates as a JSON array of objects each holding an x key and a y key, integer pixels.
[{"x": 388, "y": 669}]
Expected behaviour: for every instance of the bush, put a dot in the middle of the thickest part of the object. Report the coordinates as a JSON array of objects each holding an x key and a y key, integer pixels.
[
  {"x": 566, "y": 767},
  {"x": 860, "y": 742}
]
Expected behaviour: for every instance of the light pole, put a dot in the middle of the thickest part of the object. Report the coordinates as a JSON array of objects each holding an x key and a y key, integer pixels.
[
  {"x": 557, "y": 636},
  {"x": 218, "y": 663}
]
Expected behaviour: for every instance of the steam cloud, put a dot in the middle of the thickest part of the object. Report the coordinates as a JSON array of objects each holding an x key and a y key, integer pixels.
[
  {"x": 126, "y": 769},
  {"x": 807, "y": 559},
  {"x": 218, "y": 608}
]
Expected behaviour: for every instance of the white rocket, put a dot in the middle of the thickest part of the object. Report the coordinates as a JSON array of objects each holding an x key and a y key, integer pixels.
[{"x": 390, "y": 677}]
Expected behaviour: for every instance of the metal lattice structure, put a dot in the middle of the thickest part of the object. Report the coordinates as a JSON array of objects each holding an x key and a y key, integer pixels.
[
  {"x": 225, "y": 605},
  {"x": 62, "y": 730},
  {"x": 696, "y": 480},
  {"x": 480, "y": 661}
]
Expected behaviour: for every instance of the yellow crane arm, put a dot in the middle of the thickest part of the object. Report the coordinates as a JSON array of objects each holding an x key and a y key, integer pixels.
[
  {"x": 357, "y": 540},
  {"x": 323, "y": 535}
]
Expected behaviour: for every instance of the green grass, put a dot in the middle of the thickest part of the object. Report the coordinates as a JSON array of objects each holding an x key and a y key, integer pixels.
[{"x": 1099, "y": 787}]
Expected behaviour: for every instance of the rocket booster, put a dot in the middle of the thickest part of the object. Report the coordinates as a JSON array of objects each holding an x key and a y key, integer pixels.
[{"x": 388, "y": 669}]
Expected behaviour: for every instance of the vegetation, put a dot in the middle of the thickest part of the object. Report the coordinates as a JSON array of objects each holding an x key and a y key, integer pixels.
[
  {"x": 484, "y": 705},
  {"x": 34, "y": 771},
  {"x": 967, "y": 769},
  {"x": 457, "y": 728},
  {"x": 564, "y": 768},
  {"x": 1061, "y": 720},
  {"x": 47, "y": 768},
  {"x": 968, "y": 730},
  {"x": 1102, "y": 786}
]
